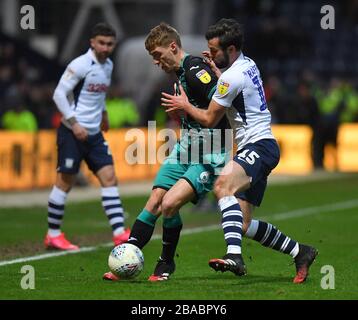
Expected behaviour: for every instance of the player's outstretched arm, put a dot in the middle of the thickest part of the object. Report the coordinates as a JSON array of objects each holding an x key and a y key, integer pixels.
[{"x": 208, "y": 118}]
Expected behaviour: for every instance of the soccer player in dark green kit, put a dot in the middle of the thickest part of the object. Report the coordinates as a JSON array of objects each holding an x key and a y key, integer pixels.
[{"x": 184, "y": 176}]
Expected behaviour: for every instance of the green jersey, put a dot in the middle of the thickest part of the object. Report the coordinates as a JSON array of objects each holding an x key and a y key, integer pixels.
[
  {"x": 200, "y": 154},
  {"x": 199, "y": 83}
]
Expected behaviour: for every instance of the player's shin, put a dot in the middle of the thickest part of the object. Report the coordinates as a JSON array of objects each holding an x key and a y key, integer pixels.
[
  {"x": 112, "y": 206},
  {"x": 171, "y": 233},
  {"x": 56, "y": 209},
  {"x": 142, "y": 229},
  {"x": 231, "y": 223},
  {"x": 269, "y": 236}
]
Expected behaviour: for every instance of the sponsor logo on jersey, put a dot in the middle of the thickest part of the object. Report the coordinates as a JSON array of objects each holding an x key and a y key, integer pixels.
[
  {"x": 192, "y": 68},
  {"x": 223, "y": 87},
  {"x": 203, "y": 76},
  {"x": 97, "y": 87}
]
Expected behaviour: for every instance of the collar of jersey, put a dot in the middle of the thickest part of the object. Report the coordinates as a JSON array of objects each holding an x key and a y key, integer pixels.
[
  {"x": 182, "y": 60},
  {"x": 240, "y": 59},
  {"x": 93, "y": 56}
]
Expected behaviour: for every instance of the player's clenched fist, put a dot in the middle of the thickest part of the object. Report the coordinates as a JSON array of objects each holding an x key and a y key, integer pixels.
[{"x": 79, "y": 132}]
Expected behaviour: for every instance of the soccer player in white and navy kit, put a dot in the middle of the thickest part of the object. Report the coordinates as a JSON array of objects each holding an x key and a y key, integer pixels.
[
  {"x": 80, "y": 97},
  {"x": 242, "y": 183}
]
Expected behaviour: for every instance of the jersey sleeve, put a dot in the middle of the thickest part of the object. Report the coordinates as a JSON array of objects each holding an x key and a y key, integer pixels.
[
  {"x": 73, "y": 74},
  {"x": 228, "y": 88},
  {"x": 201, "y": 78}
]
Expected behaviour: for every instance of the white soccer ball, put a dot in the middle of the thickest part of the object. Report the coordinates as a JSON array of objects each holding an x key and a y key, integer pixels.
[{"x": 126, "y": 261}]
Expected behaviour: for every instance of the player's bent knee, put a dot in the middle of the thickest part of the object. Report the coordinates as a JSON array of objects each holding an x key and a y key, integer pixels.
[
  {"x": 112, "y": 181},
  {"x": 63, "y": 187},
  {"x": 107, "y": 177},
  {"x": 169, "y": 207},
  {"x": 154, "y": 203},
  {"x": 220, "y": 189},
  {"x": 64, "y": 181}
]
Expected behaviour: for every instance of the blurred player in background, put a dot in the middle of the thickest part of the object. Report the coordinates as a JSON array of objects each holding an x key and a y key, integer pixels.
[
  {"x": 177, "y": 182},
  {"x": 80, "y": 97},
  {"x": 242, "y": 183}
]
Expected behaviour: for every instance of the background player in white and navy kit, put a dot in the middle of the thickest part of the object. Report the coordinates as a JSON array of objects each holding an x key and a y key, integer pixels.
[
  {"x": 80, "y": 97},
  {"x": 241, "y": 185}
]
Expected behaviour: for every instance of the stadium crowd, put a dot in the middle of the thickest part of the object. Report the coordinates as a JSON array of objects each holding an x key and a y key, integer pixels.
[
  {"x": 304, "y": 80},
  {"x": 24, "y": 91}
]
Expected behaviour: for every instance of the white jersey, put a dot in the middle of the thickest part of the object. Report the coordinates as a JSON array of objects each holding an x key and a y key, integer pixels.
[
  {"x": 81, "y": 91},
  {"x": 240, "y": 90}
]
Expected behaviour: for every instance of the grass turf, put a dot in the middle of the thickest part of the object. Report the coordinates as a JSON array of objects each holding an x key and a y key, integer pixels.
[{"x": 78, "y": 276}]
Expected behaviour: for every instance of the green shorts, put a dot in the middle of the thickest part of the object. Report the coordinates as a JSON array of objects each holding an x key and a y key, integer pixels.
[{"x": 200, "y": 176}]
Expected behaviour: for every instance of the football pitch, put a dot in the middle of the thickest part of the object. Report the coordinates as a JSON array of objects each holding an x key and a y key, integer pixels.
[{"x": 321, "y": 213}]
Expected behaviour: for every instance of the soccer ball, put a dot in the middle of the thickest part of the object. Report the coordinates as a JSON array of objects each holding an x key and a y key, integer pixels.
[{"x": 126, "y": 261}]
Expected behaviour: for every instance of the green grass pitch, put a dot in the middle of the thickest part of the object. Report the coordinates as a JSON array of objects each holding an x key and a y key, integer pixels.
[{"x": 321, "y": 213}]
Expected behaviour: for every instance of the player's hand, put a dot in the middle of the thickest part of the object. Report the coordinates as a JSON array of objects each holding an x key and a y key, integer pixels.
[
  {"x": 105, "y": 122},
  {"x": 208, "y": 59},
  {"x": 79, "y": 132},
  {"x": 172, "y": 103}
]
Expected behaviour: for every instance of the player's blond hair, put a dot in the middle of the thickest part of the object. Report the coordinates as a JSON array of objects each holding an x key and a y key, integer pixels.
[{"x": 161, "y": 36}]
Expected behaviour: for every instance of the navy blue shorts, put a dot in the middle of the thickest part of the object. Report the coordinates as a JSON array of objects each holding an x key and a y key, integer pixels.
[
  {"x": 70, "y": 152},
  {"x": 258, "y": 160}
]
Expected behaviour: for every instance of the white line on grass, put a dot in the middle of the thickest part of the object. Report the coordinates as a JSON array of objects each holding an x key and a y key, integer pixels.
[
  {"x": 88, "y": 249},
  {"x": 278, "y": 216}
]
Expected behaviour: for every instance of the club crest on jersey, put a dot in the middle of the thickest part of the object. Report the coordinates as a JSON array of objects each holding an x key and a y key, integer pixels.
[
  {"x": 204, "y": 177},
  {"x": 223, "y": 87},
  {"x": 203, "y": 76},
  {"x": 68, "y": 74}
]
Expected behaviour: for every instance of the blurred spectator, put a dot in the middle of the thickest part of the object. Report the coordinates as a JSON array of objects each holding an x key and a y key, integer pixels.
[
  {"x": 331, "y": 105},
  {"x": 17, "y": 118},
  {"x": 6, "y": 79},
  {"x": 307, "y": 106},
  {"x": 42, "y": 105},
  {"x": 289, "y": 41},
  {"x": 350, "y": 111},
  {"x": 283, "y": 37},
  {"x": 277, "y": 100},
  {"x": 7, "y": 71},
  {"x": 122, "y": 112}
]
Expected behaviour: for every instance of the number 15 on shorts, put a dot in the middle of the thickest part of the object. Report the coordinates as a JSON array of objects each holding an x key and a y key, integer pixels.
[{"x": 249, "y": 158}]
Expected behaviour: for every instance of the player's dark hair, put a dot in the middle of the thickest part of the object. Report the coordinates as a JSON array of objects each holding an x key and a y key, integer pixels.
[
  {"x": 229, "y": 32},
  {"x": 161, "y": 36},
  {"x": 103, "y": 29}
]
